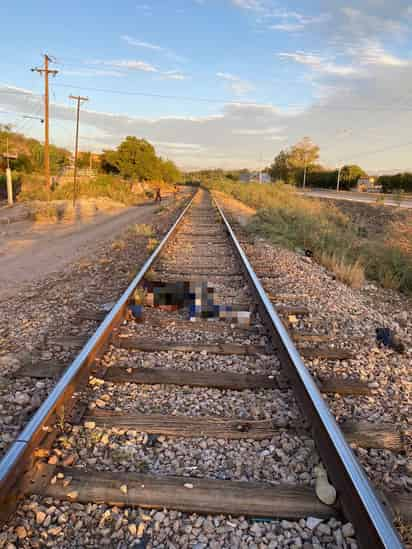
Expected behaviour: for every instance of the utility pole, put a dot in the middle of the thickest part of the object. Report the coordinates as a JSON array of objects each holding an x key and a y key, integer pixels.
[
  {"x": 46, "y": 71},
  {"x": 337, "y": 185},
  {"x": 79, "y": 99},
  {"x": 9, "y": 180}
]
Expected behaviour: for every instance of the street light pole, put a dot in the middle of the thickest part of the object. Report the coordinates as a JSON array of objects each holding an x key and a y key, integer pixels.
[
  {"x": 304, "y": 174},
  {"x": 337, "y": 185}
]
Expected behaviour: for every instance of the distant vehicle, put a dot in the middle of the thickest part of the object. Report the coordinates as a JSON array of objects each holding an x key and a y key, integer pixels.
[{"x": 369, "y": 185}]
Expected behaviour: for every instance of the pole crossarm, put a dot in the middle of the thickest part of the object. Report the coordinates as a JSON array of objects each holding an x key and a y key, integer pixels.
[{"x": 78, "y": 98}]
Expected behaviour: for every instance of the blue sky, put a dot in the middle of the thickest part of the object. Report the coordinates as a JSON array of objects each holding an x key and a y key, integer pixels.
[{"x": 240, "y": 79}]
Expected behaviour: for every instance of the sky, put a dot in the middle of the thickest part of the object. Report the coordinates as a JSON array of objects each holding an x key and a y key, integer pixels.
[{"x": 217, "y": 83}]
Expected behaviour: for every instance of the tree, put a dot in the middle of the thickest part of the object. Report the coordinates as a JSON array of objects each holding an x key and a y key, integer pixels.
[
  {"x": 137, "y": 158},
  {"x": 290, "y": 164},
  {"x": 83, "y": 160},
  {"x": 302, "y": 157},
  {"x": 169, "y": 172},
  {"x": 349, "y": 176},
  {"x": 108, "y": 162},
  {"x": 59, "y": 158},
  {"x": 133, "y": 158},
  {"x": 304, "y": 154},
  {"x": 281, "y": 169}
]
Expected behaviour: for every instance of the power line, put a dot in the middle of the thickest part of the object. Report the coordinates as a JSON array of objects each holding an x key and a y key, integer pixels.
[
  {"x": 382, "y": 108},
  {"x": 216, "y": 101}
]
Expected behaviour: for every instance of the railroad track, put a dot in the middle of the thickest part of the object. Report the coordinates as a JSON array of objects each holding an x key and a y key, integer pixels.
[{"x": 216, "y": 416}]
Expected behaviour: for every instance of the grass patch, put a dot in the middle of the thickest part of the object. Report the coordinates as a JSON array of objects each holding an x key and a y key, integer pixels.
[
  {"x": 102, "y": 186},
  {"x": 143, "y": 230},
  {"x": 152, "y": 245},
  {"x": 118, "y": 245},
  {"x": 352, "y": 274},
  {"x": 335, "y": 239}
]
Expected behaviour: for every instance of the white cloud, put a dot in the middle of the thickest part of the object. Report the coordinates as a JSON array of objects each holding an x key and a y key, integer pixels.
[
  {"x": 154, "y": 47},
  {"x": 174, "y": 75},
  {"x": 255, "y": 5},
  {"x": 258, "y": 131},
  {"x": 292, "y": 21},
  {"x": 238, "y": 86},
  {"x": 185, "y": 147},
  {"x": 236, "y": 134},
  {"x": 227, "y": 76},
  {"x": 288, "y": 27},
  {"x": 319, "y": 63},
  {"x": 131, "y": 64},
  {"x": 133, "y": 42},
  {"x": 358, "y": 22},
  {"x": 371, "y": 52}
]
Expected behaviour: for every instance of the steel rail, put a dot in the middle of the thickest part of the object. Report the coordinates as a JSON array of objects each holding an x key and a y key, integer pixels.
[
  {"x": 19, "y": 458},
  {"x": 360, "y": 503}
]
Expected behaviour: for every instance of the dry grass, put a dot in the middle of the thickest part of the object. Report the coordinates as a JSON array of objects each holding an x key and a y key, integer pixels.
[
  {"x": 143, "y": 230},
  {"x": 63, "y": 211},
  {"x": 84, "y": 264},
  {"x": 152, "y": 244},
  {"x": 401, "y": 236},
  {"x": 46, "y": 213},
  {"x": 118, "y": 245},
  {"x": 345, "y": 246},
  {"x": 352, "y": 274}
]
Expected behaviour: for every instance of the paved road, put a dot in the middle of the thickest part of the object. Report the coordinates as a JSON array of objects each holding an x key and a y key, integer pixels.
[{"x": 358, "y": 197}]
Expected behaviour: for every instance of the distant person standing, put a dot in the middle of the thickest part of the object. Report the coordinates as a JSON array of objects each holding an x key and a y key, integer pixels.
[{"x": 158, "y": 197}]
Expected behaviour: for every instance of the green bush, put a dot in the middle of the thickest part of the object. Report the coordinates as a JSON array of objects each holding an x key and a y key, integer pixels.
[{"x": 103, "y": 186}]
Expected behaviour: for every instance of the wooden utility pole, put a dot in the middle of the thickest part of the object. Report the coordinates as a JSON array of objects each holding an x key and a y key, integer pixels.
[
  {"x": 79, "y": 99},
  {"x": 46, "y": 71}
]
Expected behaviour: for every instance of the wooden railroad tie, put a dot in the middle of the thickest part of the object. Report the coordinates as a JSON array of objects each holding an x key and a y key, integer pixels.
[
  {"x": 217, "y": 348},
  {"x": 187, "y": 494},
  {"x": 216, "y": 325},
  {"x": 211, "y": 379},
  {"x": 224, "y": 380},
  {"x": 186, "y": 426},
  {"x": 326, "y": 353},
  {"x": 364, "y": 434},
  {"x": 297, "y": 310},
  {"x": 193, "y": 272},
  {"x": 192, "y": 495}
]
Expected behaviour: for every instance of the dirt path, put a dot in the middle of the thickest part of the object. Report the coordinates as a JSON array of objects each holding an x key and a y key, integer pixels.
[{"x": 29, "y": 252}]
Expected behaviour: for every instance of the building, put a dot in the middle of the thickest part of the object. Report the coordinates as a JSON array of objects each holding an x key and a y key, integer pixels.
[
  {"x": 368, "y": 184},
  {"x": 255, "y": 177}
]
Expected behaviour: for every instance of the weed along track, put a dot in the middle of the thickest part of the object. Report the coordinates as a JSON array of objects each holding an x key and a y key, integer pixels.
[{"x": 190, "y": 420}]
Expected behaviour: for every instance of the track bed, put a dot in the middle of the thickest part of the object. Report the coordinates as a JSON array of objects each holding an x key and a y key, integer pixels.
[{"x": 190, "y": 433}]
